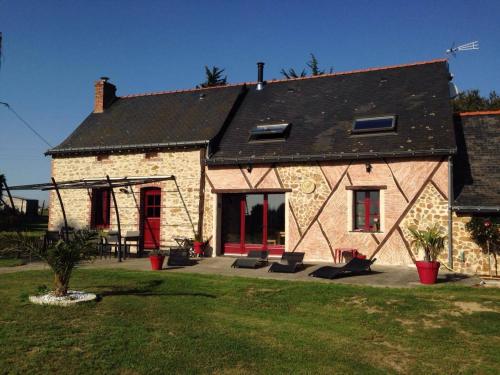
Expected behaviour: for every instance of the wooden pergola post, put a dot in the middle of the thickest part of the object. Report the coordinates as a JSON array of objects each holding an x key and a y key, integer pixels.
[
  {"x": 117, "y": 219},
  {"x": 56, "y": 188},
  {"x": 10, "y": 197}
]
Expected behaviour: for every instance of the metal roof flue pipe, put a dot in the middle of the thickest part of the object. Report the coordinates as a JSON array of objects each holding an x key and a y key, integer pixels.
[{"x": 260, "y": 76}]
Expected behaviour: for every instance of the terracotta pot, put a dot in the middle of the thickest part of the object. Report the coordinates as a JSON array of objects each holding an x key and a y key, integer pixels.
[
  {"x": 198, "y": 248},
  {"x": 156, "y": 262},
  {"x": 427, "y": 271}
]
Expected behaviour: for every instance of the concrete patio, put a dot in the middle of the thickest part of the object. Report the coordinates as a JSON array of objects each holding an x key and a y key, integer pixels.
[{"x": 381, "y": 276}]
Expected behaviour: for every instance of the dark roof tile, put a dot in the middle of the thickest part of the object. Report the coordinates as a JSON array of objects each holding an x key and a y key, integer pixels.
[{"x": 322, "y": 110}]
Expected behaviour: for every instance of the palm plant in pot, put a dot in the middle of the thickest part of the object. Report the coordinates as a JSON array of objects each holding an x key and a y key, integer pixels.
[
  {"x": 156, "y": 257},
  {"x": 431, "y": 241}
]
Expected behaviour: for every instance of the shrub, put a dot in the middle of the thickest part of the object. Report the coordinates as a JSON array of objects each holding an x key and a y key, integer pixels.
[{"x": 485, "y": 232}]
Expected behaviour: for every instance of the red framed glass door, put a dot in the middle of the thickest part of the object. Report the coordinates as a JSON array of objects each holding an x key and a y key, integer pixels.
[
  {"x": 253, "y": 222},
  {"x": 151, "y": 216}
]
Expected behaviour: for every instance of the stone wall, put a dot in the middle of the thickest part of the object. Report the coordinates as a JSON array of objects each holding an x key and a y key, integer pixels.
[
  {"x": 319, "y": 213},
  {"x": 180, "y": 207}
]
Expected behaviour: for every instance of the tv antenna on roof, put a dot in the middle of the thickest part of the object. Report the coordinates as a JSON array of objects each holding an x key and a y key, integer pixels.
[{"x": 464, "y": 47}]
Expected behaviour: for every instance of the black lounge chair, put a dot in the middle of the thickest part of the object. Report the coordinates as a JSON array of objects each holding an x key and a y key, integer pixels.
[
  {"x": 353, "y": 267},
  {"x": 290, "y": 263},
  {"x": 254, "y": 259},
  {"x": 179, "y": 257}
]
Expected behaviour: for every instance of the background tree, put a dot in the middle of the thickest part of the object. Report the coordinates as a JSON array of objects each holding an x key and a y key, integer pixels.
[
  {"x": 291, "y": 73},
  {"x": 486, "y": 233},
  {"x": 313, "y": 66},
  {"x": 213, "y": 77},
  {"x": 471, "y": 100}
]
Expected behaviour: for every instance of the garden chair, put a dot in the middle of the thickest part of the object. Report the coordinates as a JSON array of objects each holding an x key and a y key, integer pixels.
[
  {"x": 353, "y": 267},
  {"x": 289, "y": 263},
  {"x": 254, "y": 259}
]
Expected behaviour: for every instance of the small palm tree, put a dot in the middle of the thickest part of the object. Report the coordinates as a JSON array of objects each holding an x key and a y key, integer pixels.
[
  {"x": 213, "y": 77},
  {"x": 61, "y": 256},
  {"x": 430, "y": 240}
]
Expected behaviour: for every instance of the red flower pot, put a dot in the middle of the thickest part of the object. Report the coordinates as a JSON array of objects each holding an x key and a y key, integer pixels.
[
  {"x": 428, "y": 271},
  {"x": 156, "y": 262},
  {"x": 198, "y": 248}
]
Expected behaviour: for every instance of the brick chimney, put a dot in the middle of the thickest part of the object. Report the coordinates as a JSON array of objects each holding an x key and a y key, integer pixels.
[{"x": 104, "y": 94}]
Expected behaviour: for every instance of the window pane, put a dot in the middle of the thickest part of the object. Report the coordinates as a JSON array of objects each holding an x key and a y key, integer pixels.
[
  {"x": 367, "y": 200},
  {"x": 374, "y": 124},
  {"x": 359, "y": 222},
  {"x": 276, "y": 219},
  {"x": 157, "y": 211},
  {"x": 374, "y": 209},
  {"x": 253, "y": 218},
  {"x": 150, "y": 212},
  {"x": 231, "y": 218},
  {"x": 157, "y": 199},
  {"x": 100, "y": 207},
  {"x": 150, "y": 200}
]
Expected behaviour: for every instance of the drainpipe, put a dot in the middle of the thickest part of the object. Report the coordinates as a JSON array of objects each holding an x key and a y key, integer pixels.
[{"x": 450, "y": 212}]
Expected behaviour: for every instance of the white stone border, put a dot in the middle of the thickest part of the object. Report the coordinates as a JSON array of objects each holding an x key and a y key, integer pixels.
[{"x": 73, "y": 297}]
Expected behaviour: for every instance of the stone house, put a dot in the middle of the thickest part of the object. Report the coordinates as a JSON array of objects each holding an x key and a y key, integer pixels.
[{"x": 343, "y": 160}]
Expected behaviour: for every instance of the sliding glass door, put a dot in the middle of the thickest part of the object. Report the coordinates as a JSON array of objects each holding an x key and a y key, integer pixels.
[{"x": 253, "y": 222}]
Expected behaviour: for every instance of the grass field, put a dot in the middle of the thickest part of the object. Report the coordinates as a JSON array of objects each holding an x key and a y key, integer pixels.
[{"x": 151, "y": 323}]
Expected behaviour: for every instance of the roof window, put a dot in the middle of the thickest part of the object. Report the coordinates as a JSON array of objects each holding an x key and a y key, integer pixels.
[
  {"x": 374, "y": 124},
  {"x": 269, "y": 133}
]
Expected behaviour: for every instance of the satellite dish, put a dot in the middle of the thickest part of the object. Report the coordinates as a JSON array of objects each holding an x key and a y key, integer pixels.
[
  {"x": 464, "y": 47},
  {"x": 454, "y": 91}
]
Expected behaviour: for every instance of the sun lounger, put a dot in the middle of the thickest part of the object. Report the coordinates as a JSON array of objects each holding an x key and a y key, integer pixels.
[
  {"x": 289, "y": 263},
  {"x": 254, "y": 259},
  {"x": 354, "y": 266},
  {"x": 179, "y": 257}
]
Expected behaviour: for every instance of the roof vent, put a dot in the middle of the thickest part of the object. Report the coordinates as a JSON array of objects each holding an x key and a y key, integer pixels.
[{"x": 260, "y": 76}]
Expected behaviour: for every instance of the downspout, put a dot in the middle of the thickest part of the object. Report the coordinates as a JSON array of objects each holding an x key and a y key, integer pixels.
[{"x": 450, "y": 212}]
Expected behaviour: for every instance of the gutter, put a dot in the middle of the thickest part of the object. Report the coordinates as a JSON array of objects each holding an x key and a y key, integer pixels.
[
  {"x": 450, "y": 212},
  {"x": 477, "y": 209},
  {"x": 323, "y": 157},
  {"x": 121, "y": 148}
]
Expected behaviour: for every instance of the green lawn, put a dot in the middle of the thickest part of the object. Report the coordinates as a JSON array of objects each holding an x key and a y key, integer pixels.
[
  {"x": 152, "y": 322},
  {"x": 11, "y": 262}
]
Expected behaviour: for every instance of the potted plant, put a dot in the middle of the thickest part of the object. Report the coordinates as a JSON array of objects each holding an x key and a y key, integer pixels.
[
  {"x": 156, "y": 258},
  {"x": 431, "y": 241},
  {"x": 198, "y": 244}
]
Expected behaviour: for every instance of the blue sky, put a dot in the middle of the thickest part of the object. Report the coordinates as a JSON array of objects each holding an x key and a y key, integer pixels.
[{"x": 55, "y": 50}]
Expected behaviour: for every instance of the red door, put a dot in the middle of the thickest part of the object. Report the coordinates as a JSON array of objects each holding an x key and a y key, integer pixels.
[{"x": 151, "y": 210}]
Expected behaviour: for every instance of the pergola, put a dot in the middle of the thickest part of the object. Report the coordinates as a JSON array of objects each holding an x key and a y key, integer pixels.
[{"x": 92, "y": 183}]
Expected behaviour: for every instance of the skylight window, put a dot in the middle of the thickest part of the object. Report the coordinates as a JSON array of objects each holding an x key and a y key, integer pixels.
[
  {"x": 374, "y": 124},
  {"x": 276, "y": 132}
]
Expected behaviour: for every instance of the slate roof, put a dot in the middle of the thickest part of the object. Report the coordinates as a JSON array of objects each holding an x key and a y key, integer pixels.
[
  {"x": 322, "y": 110},
  {"x": 477, "y": 163},
  {"x": 191, "y": 117}
]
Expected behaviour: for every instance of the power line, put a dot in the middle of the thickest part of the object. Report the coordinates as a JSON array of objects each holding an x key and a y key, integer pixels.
[{"x": 26, "y": 123}]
